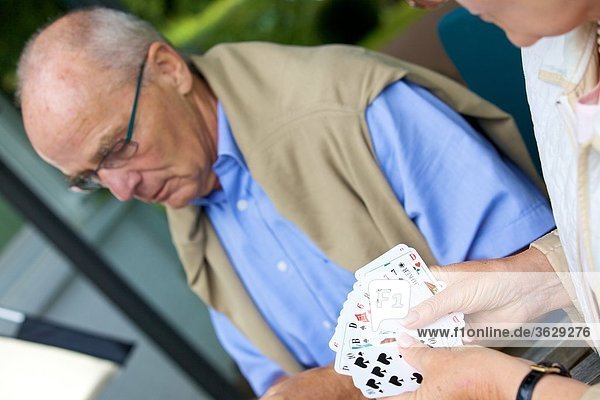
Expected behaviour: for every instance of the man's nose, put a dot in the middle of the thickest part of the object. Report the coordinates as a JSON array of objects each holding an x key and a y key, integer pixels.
[{"x": 120, "y": 182}]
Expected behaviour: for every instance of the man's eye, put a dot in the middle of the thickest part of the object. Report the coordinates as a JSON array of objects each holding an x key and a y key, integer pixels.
[{"x": 102, "y": 153}]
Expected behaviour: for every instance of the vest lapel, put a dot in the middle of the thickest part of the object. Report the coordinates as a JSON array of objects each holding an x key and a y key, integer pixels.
[{"x": 211, "y": 276}]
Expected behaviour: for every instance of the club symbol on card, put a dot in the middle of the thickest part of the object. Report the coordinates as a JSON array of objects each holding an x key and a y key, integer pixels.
[
  {"x": 360, "y": 362},
  {"x": 417, "y": 377},
  {"x": 375, "y": 385},
  {"x": 384, "y": 359},
  {"x": 395, "y": 381},
  {"x": 378, "y": 372}
]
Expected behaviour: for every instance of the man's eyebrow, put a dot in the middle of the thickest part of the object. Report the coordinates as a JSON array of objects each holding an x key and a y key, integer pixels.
[{"x": 104, "y": 146}]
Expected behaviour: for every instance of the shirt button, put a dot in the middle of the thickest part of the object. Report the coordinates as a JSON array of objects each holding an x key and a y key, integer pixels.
[
  {"x": 242, "y": 205},
  {"x": 282, "y": 266},
  {"x": 327, "y": 325}
]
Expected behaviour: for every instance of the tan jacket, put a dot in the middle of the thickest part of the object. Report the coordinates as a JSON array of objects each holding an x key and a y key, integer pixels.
[{"x": 298, "y": 117}]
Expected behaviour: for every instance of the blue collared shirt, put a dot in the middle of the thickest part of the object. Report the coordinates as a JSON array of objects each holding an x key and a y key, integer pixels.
[{"x": 468, "y": 202}]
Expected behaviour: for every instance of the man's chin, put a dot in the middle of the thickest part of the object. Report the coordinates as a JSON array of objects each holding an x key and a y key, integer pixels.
[
  {"x": 177, "y": 200},
  {"x": 181, "y": 197}
]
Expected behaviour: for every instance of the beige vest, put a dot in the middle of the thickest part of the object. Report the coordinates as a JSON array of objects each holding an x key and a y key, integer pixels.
[{"x": 298, "y": 117}]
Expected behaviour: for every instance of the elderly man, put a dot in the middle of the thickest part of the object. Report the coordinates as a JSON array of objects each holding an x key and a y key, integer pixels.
[
  {"x": 283, "y": 170},
  {"x": 563, "y": 89}
]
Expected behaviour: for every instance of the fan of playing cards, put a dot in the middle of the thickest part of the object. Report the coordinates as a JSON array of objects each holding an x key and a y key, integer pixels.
[{"x": 365, "y": 335}]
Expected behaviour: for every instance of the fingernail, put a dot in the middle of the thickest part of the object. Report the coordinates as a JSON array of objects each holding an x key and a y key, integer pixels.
[
  {"x": 410, "y": 318},
  {"x": 404, "y": 340}
]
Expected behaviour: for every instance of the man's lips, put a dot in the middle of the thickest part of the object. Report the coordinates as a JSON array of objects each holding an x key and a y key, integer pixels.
[{"x": 161, "y": 195}]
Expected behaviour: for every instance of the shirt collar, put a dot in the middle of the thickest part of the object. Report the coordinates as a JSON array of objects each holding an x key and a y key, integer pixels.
[
  {"x": 227, "y": 151},
  {"x": 226, "y": 142}
]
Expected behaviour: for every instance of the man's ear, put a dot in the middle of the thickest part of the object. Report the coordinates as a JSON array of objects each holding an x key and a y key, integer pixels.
[{"x": 169, "y": 67}]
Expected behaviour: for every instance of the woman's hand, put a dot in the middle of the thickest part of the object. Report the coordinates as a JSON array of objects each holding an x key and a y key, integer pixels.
[{"x": 516, "y": 289}]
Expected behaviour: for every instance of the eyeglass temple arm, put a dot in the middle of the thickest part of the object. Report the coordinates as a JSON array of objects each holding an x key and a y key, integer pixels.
[{"x": 135, "y": 103}]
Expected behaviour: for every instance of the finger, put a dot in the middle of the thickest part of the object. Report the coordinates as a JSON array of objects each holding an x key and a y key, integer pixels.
[
  {"x": 434, "y": 308},
  {"x": 466, "y": 339},
  {"x": 412, "y": 350}
]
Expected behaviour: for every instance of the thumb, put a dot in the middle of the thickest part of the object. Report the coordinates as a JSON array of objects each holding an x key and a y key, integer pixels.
[
  {"x": 434, "y": 308},
  {"x": 414, "y": 352}
]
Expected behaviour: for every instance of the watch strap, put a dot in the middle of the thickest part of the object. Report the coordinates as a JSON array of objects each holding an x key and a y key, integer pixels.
[{"x": 525, "y": 391}]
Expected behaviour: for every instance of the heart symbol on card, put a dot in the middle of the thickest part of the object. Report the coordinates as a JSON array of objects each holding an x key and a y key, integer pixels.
[
  {"x": 371, "y": 383},
  {"x": 394, "y": 381},
  {"x": 384, "y": 359},
  {"x": 417, "y": 265},
  {"x": 360, "y": 362},
  {"x": 378, "y": 371},
  {"x": 417, "y": 377}
]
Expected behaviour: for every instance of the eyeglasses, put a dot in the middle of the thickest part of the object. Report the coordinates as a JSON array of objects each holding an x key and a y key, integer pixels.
[{"x": 118, "y": 155}]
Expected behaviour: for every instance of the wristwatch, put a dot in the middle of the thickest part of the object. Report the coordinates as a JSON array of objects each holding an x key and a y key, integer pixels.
[{"x": 537, "y": 372}]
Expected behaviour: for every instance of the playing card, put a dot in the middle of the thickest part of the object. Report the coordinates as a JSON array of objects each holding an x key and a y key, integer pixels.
[
  {"x": 342, "y": 357},
  {"x": 411, "y": 267},
  {"x": 408, "y": 265},
  {"x": 366, "y": 350},
  {"x": 383, "y": 259},
  {"x": 422, "y": 271},
  {"x": 355, "y": 309},
  {"x": 381, "y": 372}
]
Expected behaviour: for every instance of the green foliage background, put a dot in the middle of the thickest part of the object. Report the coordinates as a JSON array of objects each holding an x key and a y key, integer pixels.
[{"x": 197, "y": 25}]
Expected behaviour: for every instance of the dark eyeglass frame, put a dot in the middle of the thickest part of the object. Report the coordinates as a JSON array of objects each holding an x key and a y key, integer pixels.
[{"x": 120, "y": 152}]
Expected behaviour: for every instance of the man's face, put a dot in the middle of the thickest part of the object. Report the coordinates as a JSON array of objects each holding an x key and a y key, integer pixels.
[
  {"x": 525, "y": 21},
  {"x": 74, "y": 118}
]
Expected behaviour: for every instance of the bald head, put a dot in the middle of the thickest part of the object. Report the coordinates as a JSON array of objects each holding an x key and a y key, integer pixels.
[{"x": 111, "y": 40}]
